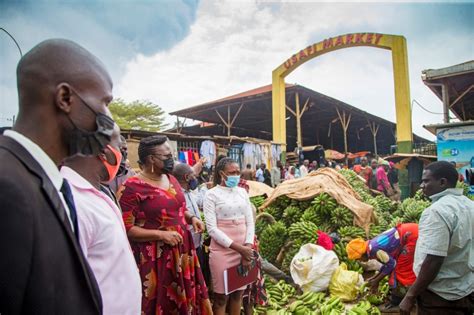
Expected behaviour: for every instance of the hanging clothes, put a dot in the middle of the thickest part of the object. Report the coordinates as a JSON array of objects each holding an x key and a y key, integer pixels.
[
  {"x": 182, "y": 157},
  {"x": 208, "y": 150}
]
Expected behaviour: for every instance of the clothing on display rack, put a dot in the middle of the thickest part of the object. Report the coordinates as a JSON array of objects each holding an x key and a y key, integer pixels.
[{"x": 208, "y": 150}]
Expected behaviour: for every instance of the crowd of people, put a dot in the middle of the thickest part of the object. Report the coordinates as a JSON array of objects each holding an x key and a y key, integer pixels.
[{"x": 81, "y": 233}]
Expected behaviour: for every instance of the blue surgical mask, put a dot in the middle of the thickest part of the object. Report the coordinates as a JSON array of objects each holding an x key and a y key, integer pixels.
[
  {"x": 193, "y": 183},
  {"x": 232, "y": 181}
]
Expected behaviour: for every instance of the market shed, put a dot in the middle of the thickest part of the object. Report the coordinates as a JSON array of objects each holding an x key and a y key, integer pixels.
[
  {"x": 312, "y": 118},
  {"x": 454, "y": 86}
]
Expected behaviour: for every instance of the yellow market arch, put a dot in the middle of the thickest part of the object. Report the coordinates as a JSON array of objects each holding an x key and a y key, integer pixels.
[{"x": 398, "y": 46}]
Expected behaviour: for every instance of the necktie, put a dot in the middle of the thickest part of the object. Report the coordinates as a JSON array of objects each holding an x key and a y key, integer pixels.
[{"x": 66, "y": 191}]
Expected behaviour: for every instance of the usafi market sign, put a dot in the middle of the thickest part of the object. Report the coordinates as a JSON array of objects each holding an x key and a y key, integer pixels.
[
  {"x": 395, "y": 43},
  {"x": 357, "y": 39}
]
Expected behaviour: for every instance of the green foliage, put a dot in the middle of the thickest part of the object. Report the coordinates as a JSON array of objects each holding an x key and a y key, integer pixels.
[{"x": 137, "y": 115}]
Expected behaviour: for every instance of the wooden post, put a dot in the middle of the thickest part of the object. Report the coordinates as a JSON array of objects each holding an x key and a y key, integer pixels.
[
  {"x": 298, "y": 114},
  {"x": 374, "y": 129},
  {"x": 345, "y": 125},
  {"x": 299, "y": 143},
  {"x": 229, "y": 123}
]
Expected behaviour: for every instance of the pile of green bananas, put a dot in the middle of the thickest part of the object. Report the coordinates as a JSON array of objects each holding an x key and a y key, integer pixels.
[
  {"x": 363, "y": 308},
  {"x": 257, "y": 201},
  {"x": 272, "y": 240}
]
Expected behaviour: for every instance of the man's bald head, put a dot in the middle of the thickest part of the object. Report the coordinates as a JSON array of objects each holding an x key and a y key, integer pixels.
[{"x": 56, "y": 61}]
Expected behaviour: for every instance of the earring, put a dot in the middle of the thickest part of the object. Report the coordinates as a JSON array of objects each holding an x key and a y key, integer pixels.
[{"x": 152, "y": 169}]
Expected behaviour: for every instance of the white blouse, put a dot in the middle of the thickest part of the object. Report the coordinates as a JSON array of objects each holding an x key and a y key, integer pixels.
[{"x": 224, "y": 203}]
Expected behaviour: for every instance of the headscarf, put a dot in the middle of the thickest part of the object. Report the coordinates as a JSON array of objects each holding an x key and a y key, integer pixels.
[{"x": 356, "y": 248}]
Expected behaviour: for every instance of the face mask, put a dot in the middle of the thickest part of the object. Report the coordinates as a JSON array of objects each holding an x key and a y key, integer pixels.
[
  {"x": 112, "y": 169},
  {"x": 168, "y": 165},
  {"x": 232, "y": 181},
  {"x": 89, "y": 143},
  {"x": 123, "y": 165},
  {"x": 193, "y": 183}
]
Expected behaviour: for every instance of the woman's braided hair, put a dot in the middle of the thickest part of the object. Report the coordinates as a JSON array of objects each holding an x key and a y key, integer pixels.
[
  {"x": 220, "y": 166},
  {"x": 145, "y": 148}
]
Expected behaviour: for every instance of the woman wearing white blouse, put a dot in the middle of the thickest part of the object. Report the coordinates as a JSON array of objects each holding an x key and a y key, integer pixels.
[{"x": 231, "y": 226}]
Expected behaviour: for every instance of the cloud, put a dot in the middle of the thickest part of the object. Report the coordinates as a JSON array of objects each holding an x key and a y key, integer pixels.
[
  {"x": 234, "y": 46},
  {"x": 115, "y": 31}
]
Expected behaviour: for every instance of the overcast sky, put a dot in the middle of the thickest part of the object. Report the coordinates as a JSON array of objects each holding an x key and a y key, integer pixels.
[{"x": 183, "y": 53}]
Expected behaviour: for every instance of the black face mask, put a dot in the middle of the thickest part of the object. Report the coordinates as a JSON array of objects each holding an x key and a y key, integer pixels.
[
  {"x": 168, "y": 165},
  {"x": 123, "y": 165},
  {"x": 83, "y": 142}
]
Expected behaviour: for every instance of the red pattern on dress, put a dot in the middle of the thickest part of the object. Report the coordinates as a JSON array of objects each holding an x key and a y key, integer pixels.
[{"x": 172, "y": 280}]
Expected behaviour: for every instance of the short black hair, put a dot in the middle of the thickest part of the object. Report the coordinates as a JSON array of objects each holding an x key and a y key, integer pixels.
[
  {"x": 443, "y": 169},
  {"x": 147, "y": 144},
  {"x": 220, "y": 167},
  {"x": 249, "y": 165},
  {"x": 180, "y": 170}
]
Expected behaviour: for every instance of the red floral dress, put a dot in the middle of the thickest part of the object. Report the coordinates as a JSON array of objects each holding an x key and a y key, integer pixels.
[{"x": 172, "y": 281}]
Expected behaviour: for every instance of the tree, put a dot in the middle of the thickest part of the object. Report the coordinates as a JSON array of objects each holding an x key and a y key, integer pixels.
[{"x": 137, "y": 115}]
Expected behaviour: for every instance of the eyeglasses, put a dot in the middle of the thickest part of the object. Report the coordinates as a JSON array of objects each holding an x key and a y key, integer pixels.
[{"x": 167, "y": 156}]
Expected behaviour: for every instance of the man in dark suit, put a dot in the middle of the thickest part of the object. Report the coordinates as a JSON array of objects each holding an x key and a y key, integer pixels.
[{"x": 63, "y": 96}]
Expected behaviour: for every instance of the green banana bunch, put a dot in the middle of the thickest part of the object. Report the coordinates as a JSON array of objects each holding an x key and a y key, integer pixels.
[
  {"x": 324, "y": 204},
  {"x": 291, "y": 215},
  {"x": 354, "y": 265},
  {"x": 304, "y": 232},
  {"x": 395, "y": 221},
  {"x": 341, "y": 216},
  {"x": 279, "y": 294},
  {"x": 332, "y": 306},
  {"x": 271, "y": 241},
  {"x": 312, "y": 300},
  {"x": 304, "y": 204},
  {"x": 350, "y": 232},
  {"x": 375, "y": 299},
  {"x": 257, "y": 201},
  {"x": 363, "y": 308},
  {"x": 275, "y": 211},
  {"x": 340, "y": 250},
  {"x": 375, "y": 230}
]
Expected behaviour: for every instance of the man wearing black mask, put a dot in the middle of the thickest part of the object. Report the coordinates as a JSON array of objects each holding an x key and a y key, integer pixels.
[{"x": 63, "y": 93}]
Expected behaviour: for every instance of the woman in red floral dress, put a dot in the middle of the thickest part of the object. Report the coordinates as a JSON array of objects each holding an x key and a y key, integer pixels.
[{"x": 155, "y": 216}]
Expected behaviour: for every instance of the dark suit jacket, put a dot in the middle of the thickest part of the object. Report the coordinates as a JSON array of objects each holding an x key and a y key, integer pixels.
[{"x": 42, "y": 268}]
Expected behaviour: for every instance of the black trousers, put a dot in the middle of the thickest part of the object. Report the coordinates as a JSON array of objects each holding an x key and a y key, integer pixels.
[{"x": 429, "y": 303}]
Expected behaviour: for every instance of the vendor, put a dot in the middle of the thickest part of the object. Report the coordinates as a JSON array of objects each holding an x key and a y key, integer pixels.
[{"x": 395, "y": 249}]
